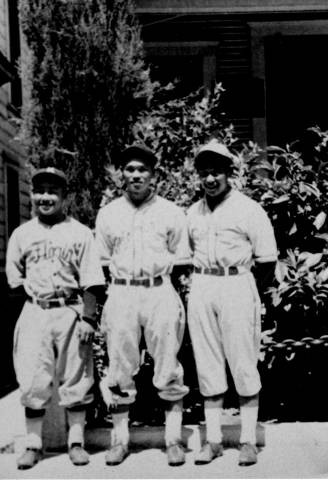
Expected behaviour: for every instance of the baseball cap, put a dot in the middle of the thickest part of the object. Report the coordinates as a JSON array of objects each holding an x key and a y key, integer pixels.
[
  {"x": 50, "y": 173},
  {"x": 138, "y": 151},
  {"x": 213, "y": 149}
]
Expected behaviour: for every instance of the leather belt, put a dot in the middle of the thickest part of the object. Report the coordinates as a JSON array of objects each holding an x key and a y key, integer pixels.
[
  {"x": 143, "y": 282},
  {"x": 219, "y": 271},
  {"x": 54, "y": 302}
]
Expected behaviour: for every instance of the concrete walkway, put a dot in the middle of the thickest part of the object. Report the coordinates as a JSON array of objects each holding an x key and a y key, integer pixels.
[{"x": 291, "y": 450}]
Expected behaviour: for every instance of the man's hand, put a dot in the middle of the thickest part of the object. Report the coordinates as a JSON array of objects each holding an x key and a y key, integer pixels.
[
  {"x": 264, "y": 274},
  {"x": 110, "y": 399},
  {"x": 85, "y": 331}
]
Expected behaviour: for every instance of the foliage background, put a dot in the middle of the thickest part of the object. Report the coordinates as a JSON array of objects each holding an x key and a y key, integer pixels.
[{"x": 86, "y": 81}]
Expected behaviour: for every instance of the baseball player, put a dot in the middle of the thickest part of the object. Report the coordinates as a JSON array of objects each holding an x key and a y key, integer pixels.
[
  {"x": 141, "y": 236},
  {"x": 53, "y": 260},
  {"x": 229, "y": 234}
]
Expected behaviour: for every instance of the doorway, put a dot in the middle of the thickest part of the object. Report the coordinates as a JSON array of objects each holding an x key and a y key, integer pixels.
[{"x": 296, "y": 86}]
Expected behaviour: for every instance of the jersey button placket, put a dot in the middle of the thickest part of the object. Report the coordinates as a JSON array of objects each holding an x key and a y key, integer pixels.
[
  {"x": 138, "y": 243},
  {"x": 211, "y": 240}
]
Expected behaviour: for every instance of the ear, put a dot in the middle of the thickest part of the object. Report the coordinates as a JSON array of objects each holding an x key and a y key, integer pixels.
[{"x": 154, "y": 177}]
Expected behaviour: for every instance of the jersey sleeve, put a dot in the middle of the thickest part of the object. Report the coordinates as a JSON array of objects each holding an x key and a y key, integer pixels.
[
  {"x": 178, "y": 242},
  {"x": 15, "y": 263},
  {"x": 103, "y": 240},
  {"x": 261, "y": 235},
  {"x": 90, "y": 267}
]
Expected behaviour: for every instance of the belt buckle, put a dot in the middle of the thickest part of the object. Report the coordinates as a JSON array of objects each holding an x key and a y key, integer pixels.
[
  {"x": 144, "y": 282},
  {"x": 233, "y": 270},
  {"x": 44, "y": 304},
  {"x": 219, "y": 271},
  {"x": 158, "y": 281}
]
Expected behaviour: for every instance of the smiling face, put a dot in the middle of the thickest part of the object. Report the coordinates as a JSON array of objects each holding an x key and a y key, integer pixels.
[
  {"x": 48, "y": 200},
  {"x": 214, "y": 179},
  {"x": 138, "y": 176}
]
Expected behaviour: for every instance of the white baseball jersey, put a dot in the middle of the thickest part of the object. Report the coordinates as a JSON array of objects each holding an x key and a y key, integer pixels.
[
  {"x": 53, "y": 261},
  {"x": 141, "y": 242},
  {"x": 236, "y": 233}
]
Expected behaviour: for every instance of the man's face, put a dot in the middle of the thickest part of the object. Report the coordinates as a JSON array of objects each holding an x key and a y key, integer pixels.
[
  {"x": 137, "y": 176},
  {"x": 48, "y": 199},
  {"x": 214, "y": 179}
]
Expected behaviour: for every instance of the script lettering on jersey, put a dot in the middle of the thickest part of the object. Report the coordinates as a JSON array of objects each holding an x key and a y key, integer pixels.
[
  {"x": 120, "y": 242},
  {"x": 44, "y": 250}
]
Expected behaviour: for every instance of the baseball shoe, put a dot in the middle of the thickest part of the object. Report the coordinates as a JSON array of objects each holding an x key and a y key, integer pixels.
[
  {"x": 248, "y": 454},
  {"x": 175, "y": 455},
  {"x": 77, "y": 454},
  {"x": 29, "y": 458},
  {"x": 208, "y": 452},
  {"x": 116, "y": 454}
]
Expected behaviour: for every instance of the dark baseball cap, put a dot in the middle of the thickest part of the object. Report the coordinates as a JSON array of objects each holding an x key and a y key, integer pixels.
[
  {"x": 213, "y": 150},
  {"x": 49, "y": 173},
  {"x": 138, "y": 151}
]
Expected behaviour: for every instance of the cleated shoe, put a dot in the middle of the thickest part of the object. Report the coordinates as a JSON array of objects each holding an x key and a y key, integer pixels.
[
  {"x": 175, "y": 455},
  {"x": 77, "y": 454},
  {"x": 29, "y": 458},
  {"x": 248, "y": 454},
  {"x": 208, "y": 452},
  {"x": 116, "y": 454}
]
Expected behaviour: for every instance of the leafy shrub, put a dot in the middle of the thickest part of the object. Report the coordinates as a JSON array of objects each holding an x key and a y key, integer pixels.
[
  {"x": 294, "y": 194},
  {"x": 300, "y": 299}
]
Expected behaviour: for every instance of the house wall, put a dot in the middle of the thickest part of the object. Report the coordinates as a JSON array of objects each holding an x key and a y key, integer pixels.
[
  {"x": 224, "y": 45},
  {"x": 14, "y": 189},
  {"x": 241, "y": 31},
  {"x": 230, "y": 6},
  {"x": 11, "y": 152},
  {"x": 260, "y": 33}
]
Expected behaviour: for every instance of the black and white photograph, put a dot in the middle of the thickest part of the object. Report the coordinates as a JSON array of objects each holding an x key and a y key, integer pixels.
[{"x": 163, "y": 239}]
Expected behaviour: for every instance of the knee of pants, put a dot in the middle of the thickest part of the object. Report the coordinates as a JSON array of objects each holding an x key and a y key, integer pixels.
[
  {"x": 76, "y": 394},
  {"x": 36, "y": 400},
  {"x": 247, "y": 380}
]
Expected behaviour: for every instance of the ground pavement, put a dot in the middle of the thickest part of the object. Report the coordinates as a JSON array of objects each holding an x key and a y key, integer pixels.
[{"x": 289, "y": 450}]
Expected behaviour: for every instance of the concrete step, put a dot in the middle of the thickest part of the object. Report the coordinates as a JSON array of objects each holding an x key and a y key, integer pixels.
[
  {"x": 12, "y": 428},
  {"x": 153, "y": 436}
]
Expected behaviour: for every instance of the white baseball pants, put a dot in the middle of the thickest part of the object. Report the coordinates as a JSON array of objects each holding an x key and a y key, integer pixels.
[
  {"x": 159, "y": 311},
  {"x": 45, "y": 345},
  {"x": 225, "y": 324}
]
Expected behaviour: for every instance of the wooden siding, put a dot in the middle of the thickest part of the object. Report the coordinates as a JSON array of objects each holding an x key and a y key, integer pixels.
[
  {"x": 230, "y": 6},
  {"x": 10, "y": 150}
]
